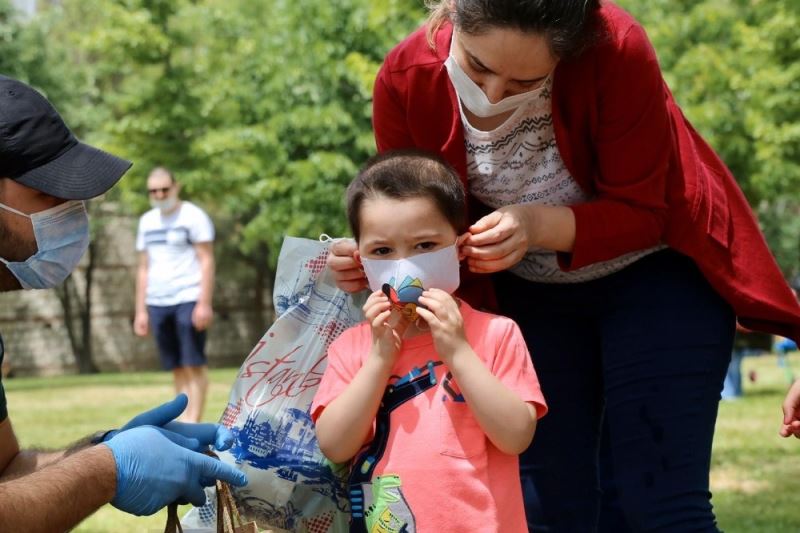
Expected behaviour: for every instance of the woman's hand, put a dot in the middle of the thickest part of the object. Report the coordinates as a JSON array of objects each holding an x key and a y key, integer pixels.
[
  {"x": 346, "y": 268},
  {"x": 387, "y": 337},
  {"x": 499, "y": 240},
  {"x": 447, "y": 325}
]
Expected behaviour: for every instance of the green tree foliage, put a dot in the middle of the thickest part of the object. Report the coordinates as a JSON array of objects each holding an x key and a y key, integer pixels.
[
  {"x": 10, "y": 49},
  {"x": 262, "y": 109},
  {"x": 25, "y": 55},
  {"x": 734, "y": 67}
]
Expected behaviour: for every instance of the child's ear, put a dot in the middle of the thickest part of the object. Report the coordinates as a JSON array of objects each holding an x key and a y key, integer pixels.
[{"x": 460, "y": 243}]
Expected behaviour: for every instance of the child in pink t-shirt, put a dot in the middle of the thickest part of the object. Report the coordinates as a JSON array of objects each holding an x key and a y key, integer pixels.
[{"x": 430, "y": 400}]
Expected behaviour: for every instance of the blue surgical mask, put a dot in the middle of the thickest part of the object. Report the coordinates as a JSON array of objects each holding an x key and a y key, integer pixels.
[{"x": 62, "y": 236}]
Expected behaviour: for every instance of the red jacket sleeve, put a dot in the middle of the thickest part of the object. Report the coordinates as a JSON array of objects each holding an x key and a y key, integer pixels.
[
  {"x": 389, "y": 120},
  {"x": 633, "y": 145}
]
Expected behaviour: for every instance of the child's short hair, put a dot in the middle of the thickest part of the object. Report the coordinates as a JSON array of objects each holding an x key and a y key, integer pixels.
[{"x": 401, "y": 174}]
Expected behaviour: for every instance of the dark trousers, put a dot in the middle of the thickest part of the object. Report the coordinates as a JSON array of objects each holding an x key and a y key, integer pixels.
[
  {"x": 179, "y": 343},
  {"x": 647, "y": 349}
]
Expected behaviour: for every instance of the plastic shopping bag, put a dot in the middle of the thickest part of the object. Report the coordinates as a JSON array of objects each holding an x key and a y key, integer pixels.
[{"x": 291, "y": 485}]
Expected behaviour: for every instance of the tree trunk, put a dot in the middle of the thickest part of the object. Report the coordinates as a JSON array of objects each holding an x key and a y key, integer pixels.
[
  {"x": 77, "y": 315},
  {"x": 86, "y": 363},
  {"x": 262, "y": 281}
]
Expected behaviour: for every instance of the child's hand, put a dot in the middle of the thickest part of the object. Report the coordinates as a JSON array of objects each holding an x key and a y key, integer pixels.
[
  {"x": 791, "y": 412},
  {"x": 444, "y": 318},
  {"x": 386, "y": 336}
]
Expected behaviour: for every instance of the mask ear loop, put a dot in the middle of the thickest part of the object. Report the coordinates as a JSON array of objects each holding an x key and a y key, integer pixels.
[
  {"x": 15, "y": 211},
  {"x": 324, "y": 237},
  {"x": 327, "y": 239}
]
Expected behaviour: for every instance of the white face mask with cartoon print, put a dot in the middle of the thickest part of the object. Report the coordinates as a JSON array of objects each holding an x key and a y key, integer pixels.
[{"x": 406, "y": 278}]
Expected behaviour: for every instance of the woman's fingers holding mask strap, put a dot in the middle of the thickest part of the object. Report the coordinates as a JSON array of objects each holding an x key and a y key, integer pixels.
[
  {"x": 505, "y": 227},
  {"x": 347, "y": 271},
  {"x": 496, "y": 260}
]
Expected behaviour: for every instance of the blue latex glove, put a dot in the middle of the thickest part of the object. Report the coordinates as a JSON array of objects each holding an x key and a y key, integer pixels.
[
  {"x": 163, "y": 416},
  {"x": 156, "y": 467}
]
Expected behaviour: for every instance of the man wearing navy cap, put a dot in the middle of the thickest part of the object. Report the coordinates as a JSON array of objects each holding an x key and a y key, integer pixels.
[{"x": 45, "y": 176}]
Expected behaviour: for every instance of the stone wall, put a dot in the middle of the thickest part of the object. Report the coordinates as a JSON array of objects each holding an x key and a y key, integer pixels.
[{"x": 36, "y": 338}]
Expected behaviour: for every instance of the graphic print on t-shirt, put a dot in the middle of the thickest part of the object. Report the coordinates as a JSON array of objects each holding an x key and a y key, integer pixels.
[
  {"x": 172, "y": 236},
  {"x": 377, "y": 504},
  {"x": 387, "y": 511}
]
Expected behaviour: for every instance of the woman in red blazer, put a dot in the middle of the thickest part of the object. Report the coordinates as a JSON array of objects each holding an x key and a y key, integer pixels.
[{"x": 614, "y": 236}]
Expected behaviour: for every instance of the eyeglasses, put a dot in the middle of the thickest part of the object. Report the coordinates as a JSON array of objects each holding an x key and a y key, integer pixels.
[{"x": 162, "y": 190}]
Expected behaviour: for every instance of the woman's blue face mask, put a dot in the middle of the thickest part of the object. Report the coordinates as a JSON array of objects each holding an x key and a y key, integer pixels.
[{"x": 62, "y": 237}]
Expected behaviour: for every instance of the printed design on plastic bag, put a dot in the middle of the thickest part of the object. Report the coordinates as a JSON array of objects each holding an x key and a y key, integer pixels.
[
  {"x": 293, "y": 487},
  {"x": 288, "y": 449},
  {"x": 290, "y": 294}
]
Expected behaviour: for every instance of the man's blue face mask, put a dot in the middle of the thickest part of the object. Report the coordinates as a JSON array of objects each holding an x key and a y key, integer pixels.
[{"x": 62, "y": 237}]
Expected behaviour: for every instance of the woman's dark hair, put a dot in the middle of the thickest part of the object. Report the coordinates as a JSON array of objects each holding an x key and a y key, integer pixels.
[
  {"x": 403, "y": 174},
  {"x": 568, "y": 25}
]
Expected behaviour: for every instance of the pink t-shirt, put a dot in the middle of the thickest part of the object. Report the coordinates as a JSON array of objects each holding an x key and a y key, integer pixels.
[{"x": 438, "y": 472}]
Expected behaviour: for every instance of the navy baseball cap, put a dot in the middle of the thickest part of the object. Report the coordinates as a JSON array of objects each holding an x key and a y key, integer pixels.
[{"x": 39, "y": 151}]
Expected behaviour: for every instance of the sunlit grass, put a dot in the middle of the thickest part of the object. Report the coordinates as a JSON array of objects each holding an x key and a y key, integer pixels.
[{"x": 755, "y": 474}]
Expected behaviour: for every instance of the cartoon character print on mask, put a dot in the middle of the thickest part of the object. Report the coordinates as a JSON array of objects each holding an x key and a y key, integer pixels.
[{"x": 405, "y": 298}]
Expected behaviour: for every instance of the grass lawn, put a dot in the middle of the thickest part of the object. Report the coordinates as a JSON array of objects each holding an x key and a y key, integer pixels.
[{"x": 755, "y": 475}]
